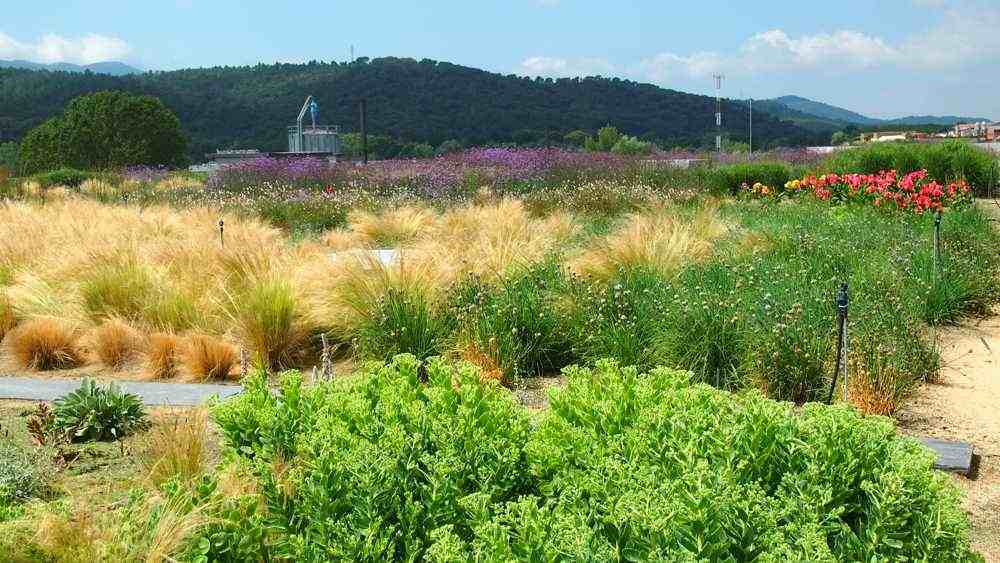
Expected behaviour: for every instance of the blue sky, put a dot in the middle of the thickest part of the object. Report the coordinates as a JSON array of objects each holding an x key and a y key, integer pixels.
[{"x": 880, "y": 57}]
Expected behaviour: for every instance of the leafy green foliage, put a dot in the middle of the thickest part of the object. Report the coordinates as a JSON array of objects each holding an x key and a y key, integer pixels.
[
  {"x": 105, "y": 130},
  {"x": 93, "y": 413},
  {"x": 624, "y": 465}
]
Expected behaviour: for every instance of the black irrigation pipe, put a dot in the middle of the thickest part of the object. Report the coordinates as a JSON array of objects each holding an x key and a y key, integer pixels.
[{"x": 842, "y": 300}]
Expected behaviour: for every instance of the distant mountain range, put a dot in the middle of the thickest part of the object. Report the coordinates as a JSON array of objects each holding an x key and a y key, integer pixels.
[
  {"x": 818, "y": 116},
  {"x": 114, "y": 68}
]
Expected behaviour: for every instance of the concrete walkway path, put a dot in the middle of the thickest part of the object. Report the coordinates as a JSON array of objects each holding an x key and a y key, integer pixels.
[{"x": 152, "y": 393}]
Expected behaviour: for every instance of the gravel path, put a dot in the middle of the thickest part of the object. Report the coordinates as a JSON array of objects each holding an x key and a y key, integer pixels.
[
  {"x": 152, "y": 393},
  {"x": 964, "y": 405}
]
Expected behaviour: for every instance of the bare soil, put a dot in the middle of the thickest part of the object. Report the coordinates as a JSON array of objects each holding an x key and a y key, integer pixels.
[{"x": 964, "y": 404}]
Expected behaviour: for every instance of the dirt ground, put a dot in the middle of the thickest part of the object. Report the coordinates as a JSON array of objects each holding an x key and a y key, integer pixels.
[{"x": 965, "y": 405}]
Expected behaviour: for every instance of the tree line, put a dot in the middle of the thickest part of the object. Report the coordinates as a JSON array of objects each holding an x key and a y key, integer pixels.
[{"x": 416, "y": 104}]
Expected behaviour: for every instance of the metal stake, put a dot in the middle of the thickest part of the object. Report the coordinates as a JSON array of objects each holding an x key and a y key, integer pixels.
[
  {"x": 937, "y": 243},
  {"x": 841, "y": 363},
  {"x": 244, "y": 362}
]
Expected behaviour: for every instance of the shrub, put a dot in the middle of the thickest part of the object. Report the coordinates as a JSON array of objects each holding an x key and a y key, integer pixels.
[
  {"x": 115, "y": 343},
  {"x": 208, "y": 358},
  {"x": 728, "y": 179},
  {"x": 468, "y": 438},
  {"x": 22, "y": 474},
  {"x": 94, "y": 413},
  {"x": 68, "y": 177},
  {"x": 44, "y": 344},
  {"x": 945, "y": 162},
  {"x": 622, "y": 465}
]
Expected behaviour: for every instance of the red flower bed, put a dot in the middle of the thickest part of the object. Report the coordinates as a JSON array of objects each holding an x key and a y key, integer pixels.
[{"x": 914, "y": 191}]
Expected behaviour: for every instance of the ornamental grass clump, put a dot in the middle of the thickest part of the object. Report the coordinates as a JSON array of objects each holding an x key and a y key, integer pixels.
[
  {"x": 115, "y": 343},
  {"x": 207, "y": 358},
  {"x": 662, "y": 241},
  {"x": 624, "y": 464},
  {"x": 269, "y": 317},
  {"x": 45, "y": 343}
]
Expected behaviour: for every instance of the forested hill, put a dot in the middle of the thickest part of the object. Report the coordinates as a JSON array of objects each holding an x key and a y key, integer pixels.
[{"x": 425, "y": 101}]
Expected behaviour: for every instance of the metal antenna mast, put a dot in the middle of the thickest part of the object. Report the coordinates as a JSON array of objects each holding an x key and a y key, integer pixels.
[{"x": 718, "y": 111}]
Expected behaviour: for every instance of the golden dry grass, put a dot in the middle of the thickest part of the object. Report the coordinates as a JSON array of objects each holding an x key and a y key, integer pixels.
[
  {"x": 661, "y": 240},
  {"x": 177, "y": 182},
  {"x": 98, "y": 188},
  {"x": 178, "y": 448},
  {"x": 163, "y": 355},
  {"x": 391, "y": 227},
  {"x": 8, "y": 318},
  {"x": 115, "y": 343},
  {"x": 163, "y": 270},
  {"x": 76, "y": 536},
  {"x": 207, "y": 358},
  {"x": 158, "y": 268},
  {"x": 490, "y": 240},
  {"x": 45, "y": 343},
  {"x": 85, "y": 534}
]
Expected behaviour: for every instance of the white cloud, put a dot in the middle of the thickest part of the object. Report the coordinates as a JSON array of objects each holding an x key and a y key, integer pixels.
[
  {"x": 966, "y": 34},
  {"x": 560, "y": 67},
  {"x": 775, "y": 49},
  {"x": 668, "y": 66},
  {"x": 51, "y": 48}
]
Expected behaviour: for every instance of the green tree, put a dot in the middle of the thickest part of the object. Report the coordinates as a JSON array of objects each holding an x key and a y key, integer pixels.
[
  {"x": 8, "y": 155},
  {"x": 631, "y": 145},
  {"x": 449, "y": 146},
  {"x": 41, "y": 149},
  {"x": 106, "y": 130},
  {"x": 576, "y": 138},
  {"x": 838, "y": 138},
  {"x": 607, "y": 138}
]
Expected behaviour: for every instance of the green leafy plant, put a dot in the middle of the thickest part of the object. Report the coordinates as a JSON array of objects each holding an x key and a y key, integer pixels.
[
  {"x": 624, "y": 465},
  {"x": 94, "y": 413}
]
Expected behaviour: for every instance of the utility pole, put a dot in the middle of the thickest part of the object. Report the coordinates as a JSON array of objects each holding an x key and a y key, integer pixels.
[
  {"x": 718, "y": 112},
  {"x": 750, "y": 152}
]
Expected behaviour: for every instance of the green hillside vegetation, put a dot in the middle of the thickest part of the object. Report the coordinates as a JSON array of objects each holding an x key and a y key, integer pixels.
[{"x": 413, "y": 101}]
